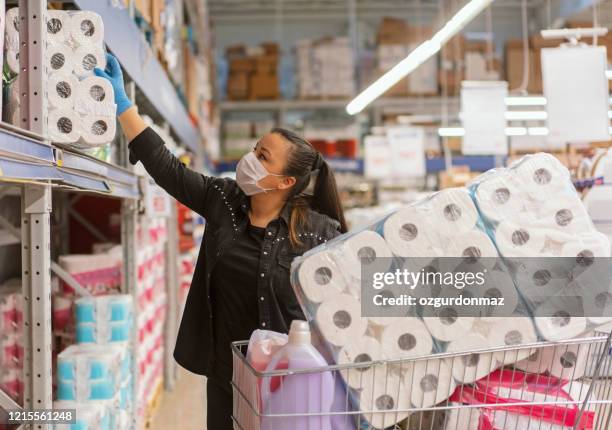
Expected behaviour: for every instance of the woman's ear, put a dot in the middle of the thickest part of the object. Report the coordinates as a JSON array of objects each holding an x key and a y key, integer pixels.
[{"x": 287, "y": 182}]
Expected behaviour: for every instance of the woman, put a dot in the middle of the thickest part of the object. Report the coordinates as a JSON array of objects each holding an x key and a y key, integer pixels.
[{"x": 255, "y": 227}]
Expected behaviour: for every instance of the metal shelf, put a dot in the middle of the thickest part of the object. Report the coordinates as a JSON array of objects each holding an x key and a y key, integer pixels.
[{"x": 128, "y": 44}]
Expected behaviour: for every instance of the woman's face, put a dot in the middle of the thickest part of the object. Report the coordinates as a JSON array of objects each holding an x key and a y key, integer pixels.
[{"x": 272, "y": 151}]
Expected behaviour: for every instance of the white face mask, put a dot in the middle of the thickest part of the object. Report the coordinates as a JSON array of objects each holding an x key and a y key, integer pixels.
[{"x": 249, "y": 172}]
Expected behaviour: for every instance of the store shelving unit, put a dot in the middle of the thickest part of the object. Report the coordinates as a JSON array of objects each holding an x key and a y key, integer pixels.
[{"x": 39, "y": 168}]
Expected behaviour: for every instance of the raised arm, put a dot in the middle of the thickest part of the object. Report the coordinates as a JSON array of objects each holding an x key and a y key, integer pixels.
[{"x": 187, "y": 186}]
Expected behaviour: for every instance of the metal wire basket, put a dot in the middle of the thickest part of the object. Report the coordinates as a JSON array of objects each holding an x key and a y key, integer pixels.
[{"x": 578, "y": 397}]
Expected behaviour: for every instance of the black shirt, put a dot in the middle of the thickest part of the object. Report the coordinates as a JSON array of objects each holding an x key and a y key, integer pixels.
[{"x": 234, "y": 295}]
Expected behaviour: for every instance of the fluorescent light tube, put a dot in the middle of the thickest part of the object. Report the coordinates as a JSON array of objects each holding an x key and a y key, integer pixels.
[
  {"x": 418, "y": 56},
  {"x": 526, "y": 101},
  {"x": 537, "y": 131},
  {"x": 510, "y": 131},
  {"x": 451, "y": 132},
  {"x": 609, "y": 74},
  {"x": 516, "y": 131},
  {"x": 526, "y": 115}
]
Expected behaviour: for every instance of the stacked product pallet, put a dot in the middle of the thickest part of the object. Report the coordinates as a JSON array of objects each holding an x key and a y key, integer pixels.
[
  {"x": 95, "y": 375},
  {"x": 151, "y": 293},
  {"x": 325, "y": 68},
  {"x": 253, "y": 72},
  {"x": 11, "y": 339}
]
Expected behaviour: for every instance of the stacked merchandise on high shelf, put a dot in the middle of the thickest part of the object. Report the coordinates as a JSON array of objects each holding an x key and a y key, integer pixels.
[
  {"x": 253, "y": 72},
  {"x": 325, "y": 68},
  {"x": 11, "y": 339},
  {"x": 152, "y": 236}
]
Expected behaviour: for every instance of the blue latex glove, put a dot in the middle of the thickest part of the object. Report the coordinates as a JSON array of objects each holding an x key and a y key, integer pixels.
[{"x": 115, "y": 76}]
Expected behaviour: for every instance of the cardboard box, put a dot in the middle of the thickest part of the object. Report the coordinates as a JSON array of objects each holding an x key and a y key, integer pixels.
[
  {"x": 538, "y": 42},
  {"x": 241, "y": 65},
  {"x": 263, "y": 87},
  {"x": 477, "y": 46},
  {"x": 157, "y": 9},
  {"x": 238, "y": 86},
  {"x": 391, "y": 31},
  {"x": 454, "y": 50},
  {"x": 271, "y": 48},
  {"x": 451, "y": 81},
  {"x": 514, "y": 67},
  {"x": 266, "y": 64}
]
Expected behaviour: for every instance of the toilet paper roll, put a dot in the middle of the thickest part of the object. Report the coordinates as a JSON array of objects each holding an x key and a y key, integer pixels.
[
  {"x": 360, "y": 350},
  {"x": 569, "y": 362},
  {"x": 430, "y": 382},
  {"x": 499, "y": 284},
  {"x": 474, "y": 247},
  {"x": 536, "y": 362},
  {"x": 469, "y": 368},
  {"x": 62, "y": 89},
  {"x": 411, "y": 233},
  {"x": 561, "y": 325},
  {"x": 462, "y": 419},
  {"x": 60, "y": 58},
  {"x": 541, "y": 176},
  {"x": 98, "y": 130},
  {"x": 11, "y": 57},
  {"x": 87, "y": 28},
  {"x": 11, "y": 31},
  {"x": 63, "y": 126},
  {"x": 453, "y": 211},
  {"x": 86, "y": 58},
  {"x": 57, "y": 22},
  {"x": 444, "y": 323},
  {"x": 406, "y": 338},
  {"x": 339, "y": 319},
  {"x": 364, "y": 249},
  {"x": 537, "y": 281},
  {"x": 499, "y": 197},
  {"x": 95, "y": 97},
  {"x": 566, "y": 216},
  {"x": 511, "y": 331},
  {"x": 380, "y": 401},
  {"x": 592, "y": 245},
  {"x": 319, "y": 277},
  {"x": 514, "y": 240}
]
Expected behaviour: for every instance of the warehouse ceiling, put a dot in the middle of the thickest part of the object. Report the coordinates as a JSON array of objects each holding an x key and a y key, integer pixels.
[{"x": 228, "y": 9}]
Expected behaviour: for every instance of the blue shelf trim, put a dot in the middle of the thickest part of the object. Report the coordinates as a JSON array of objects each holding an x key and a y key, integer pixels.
[
  {"x": 13, "y": 169},
  {"x": 77, "y": 161},
  {"x": 23, "y": 147},
  {"x": 83, "y": 182},
  {"x": 124, "y": 191},
  {"x": 127, "y": 43},
  {"x": 476, "y": 163}
]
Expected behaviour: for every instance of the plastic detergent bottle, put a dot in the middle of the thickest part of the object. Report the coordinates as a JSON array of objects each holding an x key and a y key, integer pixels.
[{"x": 298, "y": 395}]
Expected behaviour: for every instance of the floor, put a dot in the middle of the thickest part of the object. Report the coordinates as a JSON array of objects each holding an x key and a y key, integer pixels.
[{"x": 184, "y": 405}]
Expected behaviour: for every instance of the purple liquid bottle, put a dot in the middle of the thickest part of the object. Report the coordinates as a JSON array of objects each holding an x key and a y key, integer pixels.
[{"x": 298, "y": 395}]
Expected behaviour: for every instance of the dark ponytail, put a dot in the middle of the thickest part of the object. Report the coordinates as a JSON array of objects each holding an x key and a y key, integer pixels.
[{"x": 305, "y": 162}]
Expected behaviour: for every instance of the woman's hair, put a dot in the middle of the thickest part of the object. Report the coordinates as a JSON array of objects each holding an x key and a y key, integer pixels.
[{"x": 303, "y": 162}]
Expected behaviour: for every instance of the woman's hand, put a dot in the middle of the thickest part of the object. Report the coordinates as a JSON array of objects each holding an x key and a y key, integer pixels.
[{"x": 114, "y": 75}]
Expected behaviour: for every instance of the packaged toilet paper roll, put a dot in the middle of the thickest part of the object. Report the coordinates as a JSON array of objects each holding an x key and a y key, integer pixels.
[
  {"x": 380, "y": 401},
  {"x": 499, "y": 197},
  {"x": 95, "y": 97},
  {"x": 514, "y": 240},
  {"x": 319, "y": 277},
  {"x": 587, "y": 246},
  {"x": 98, "y": 130},
  {"x": 542, "y": 176},
  {"x": 11, "y": 30},
  {"x": 444, "y": 322},
  {"x": 364, "y": 249},
  {"x": 87, "y": 28},
  {"x": 63, "y": 126},
  {"x": 462, "y": 419},
  {"x": 538, "y": 362},
  {"x": 62, "y": 90},
  {"x": 511, "y": 331},
  {"x": 60, "y": 58},
  {"x": 430, "y": 382},
  {"x": 405, "y": 338},
  {"x": 339, "y": 319},
  {"x": 453, "y": 211},
  {"x": 569, "y": 362},
  {"x": 469, "y": 368},
  {"x": 565, "y": 215},
  {"x": 57, "y": 21},
  {"x": 410, "y": 233},
  {"x": 561, "y": 325},
  {"x": 86, "y": 59},
  {"x": 360, "y": 350},
  {"x": 474, "y": 247},
  {"x": 499, "y": 284}
]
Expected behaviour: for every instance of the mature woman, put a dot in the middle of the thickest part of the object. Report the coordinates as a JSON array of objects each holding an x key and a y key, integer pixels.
[{"x": 255, "y": 227}]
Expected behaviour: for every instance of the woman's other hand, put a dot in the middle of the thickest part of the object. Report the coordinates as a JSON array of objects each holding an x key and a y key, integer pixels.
[{"x": 114, "y": 75}]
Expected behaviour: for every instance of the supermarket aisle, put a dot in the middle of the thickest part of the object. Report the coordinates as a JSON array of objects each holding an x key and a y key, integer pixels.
[{"x": 185, "y": 404}]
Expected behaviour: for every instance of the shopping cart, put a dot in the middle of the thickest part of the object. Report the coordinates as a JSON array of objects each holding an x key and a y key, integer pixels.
[{"x": 507, "y": 398}]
